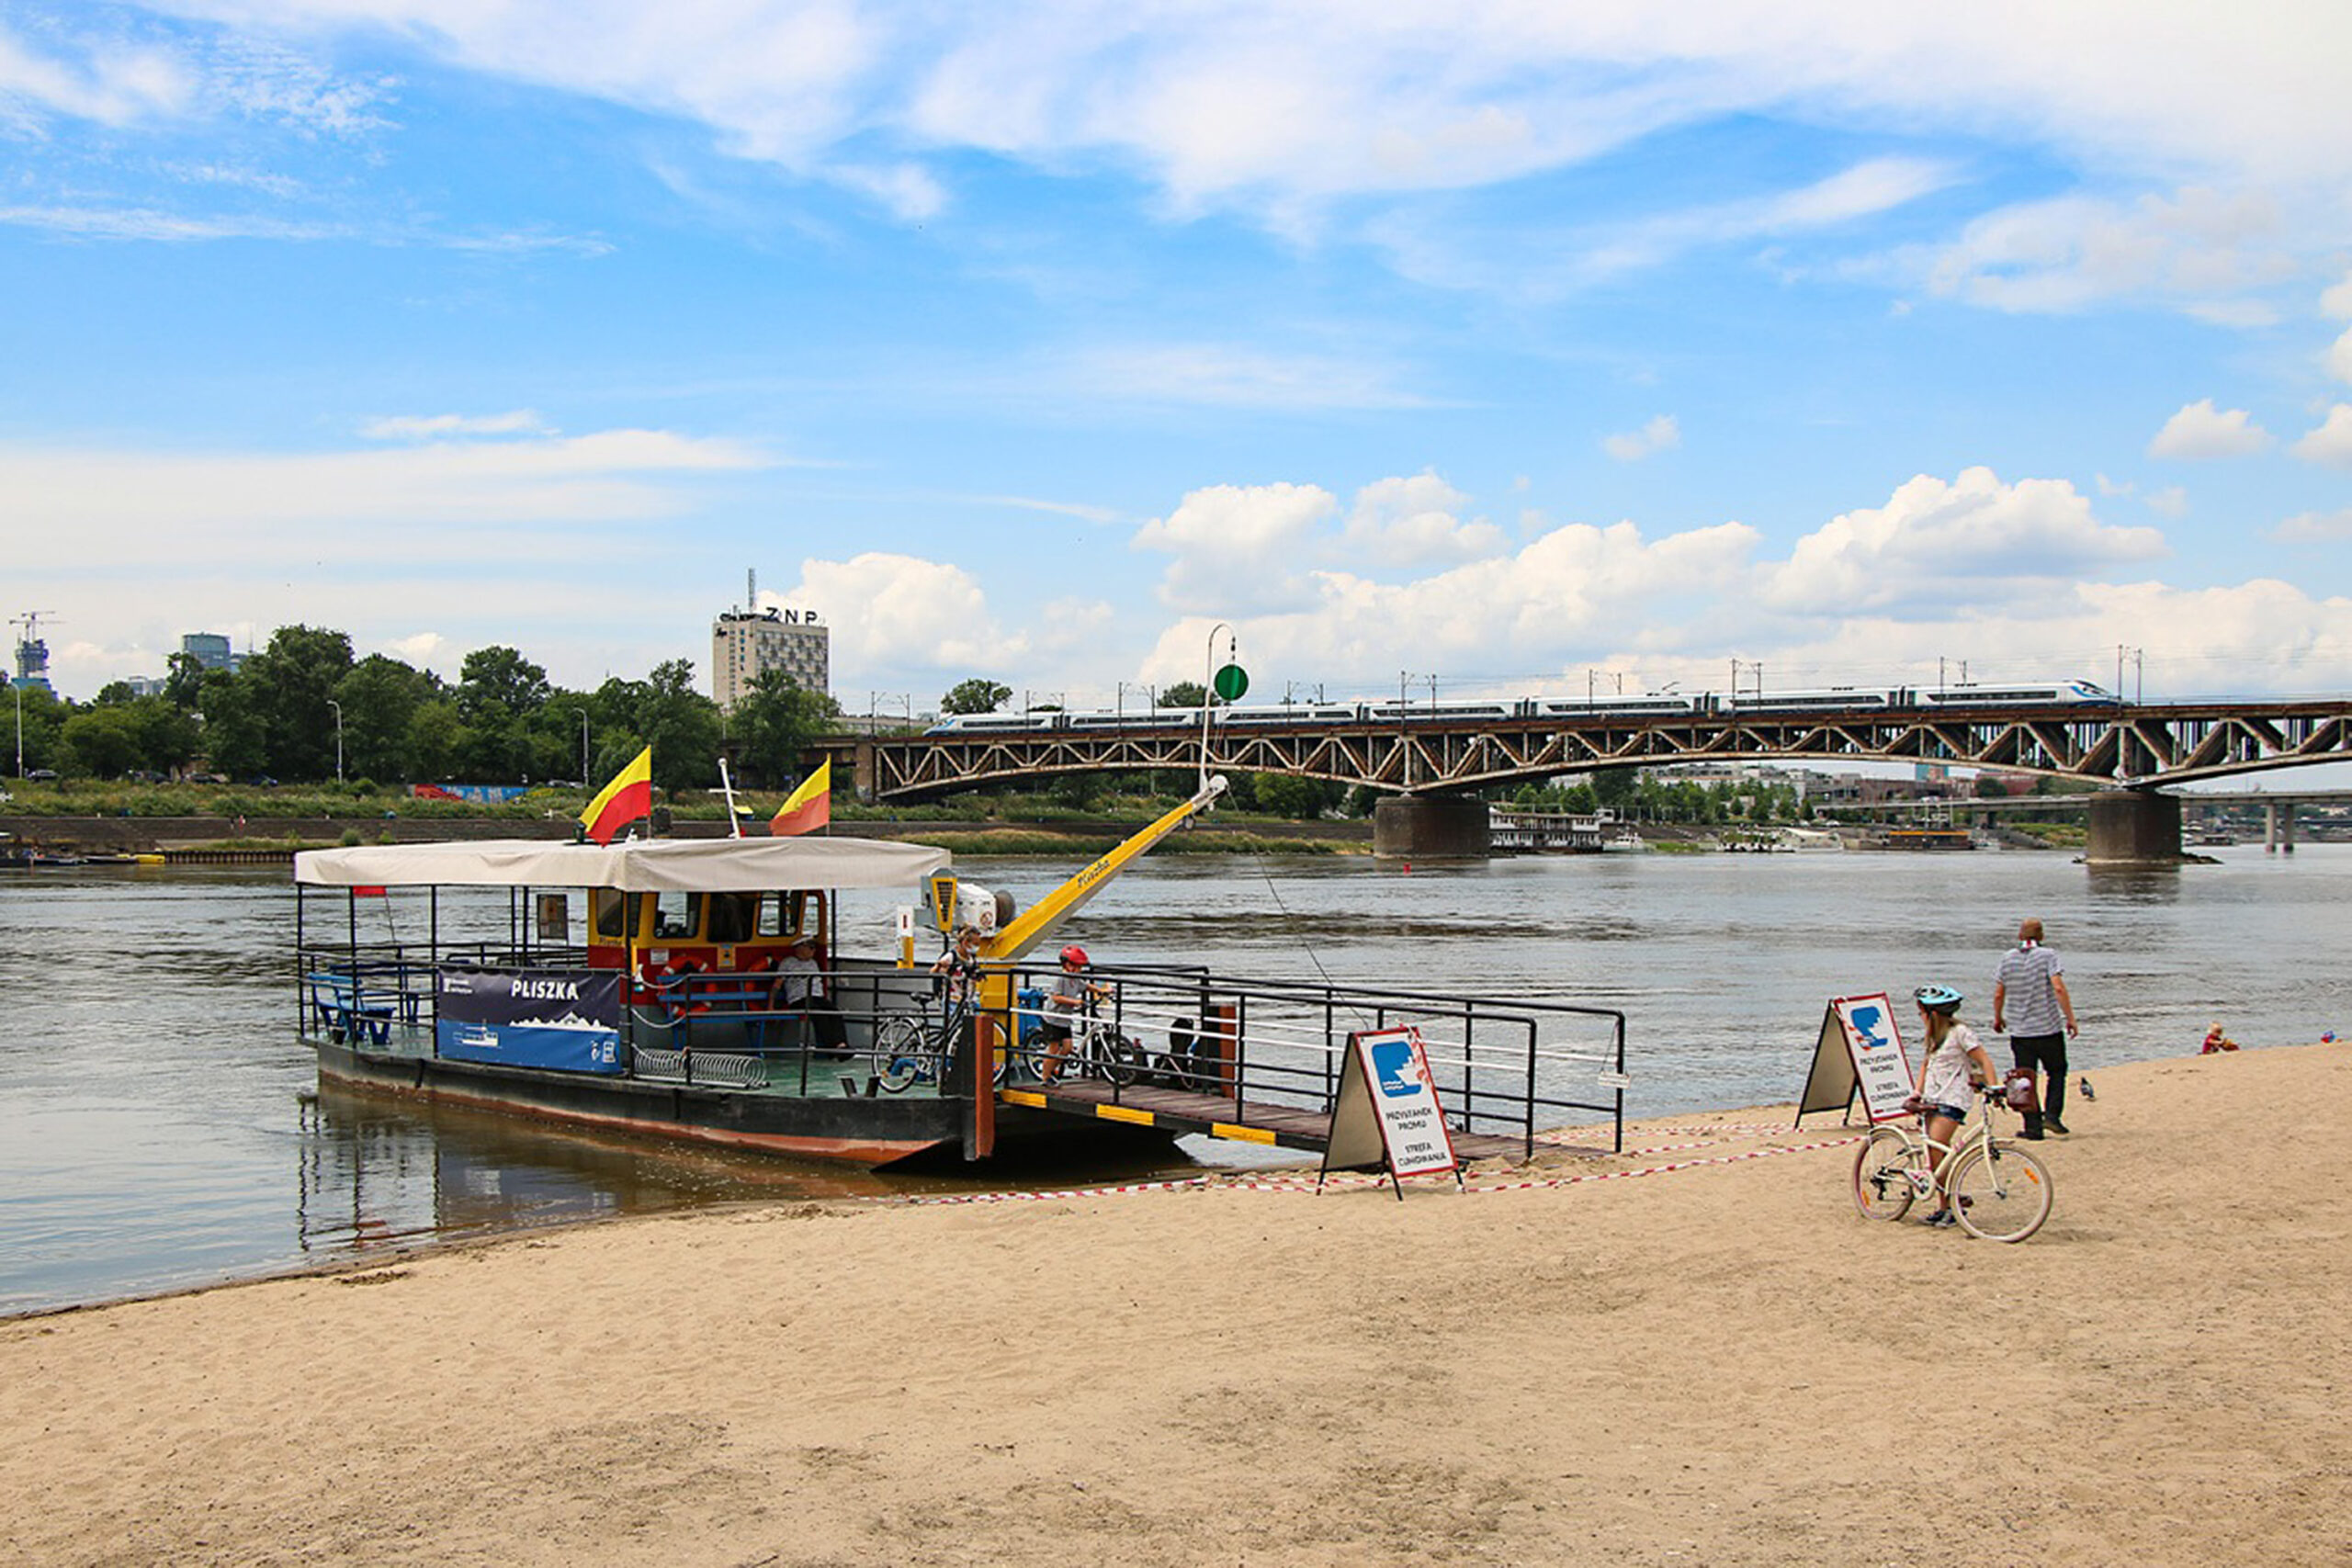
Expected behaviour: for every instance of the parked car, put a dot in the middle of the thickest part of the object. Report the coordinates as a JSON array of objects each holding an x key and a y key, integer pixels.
[{"x": 47, "y": 774}]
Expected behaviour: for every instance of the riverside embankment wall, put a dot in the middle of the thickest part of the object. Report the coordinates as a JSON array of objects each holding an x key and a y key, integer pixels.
[{"x": 109, "y": 835}]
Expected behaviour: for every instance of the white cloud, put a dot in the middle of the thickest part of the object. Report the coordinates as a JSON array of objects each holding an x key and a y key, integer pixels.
[
  {"x": 426, "y": 651},
  {"x": 1283, "y": 105},
  {"x": 493, "y": 499},
  {"x": 2315, "y": 527},
  {"x": 1658, "y": 434},
  {"x": 426, "y": 427},
  {"x": 2170, "y": 502},
  {"x": 1239, "y": 546},
  {"x": 1535, "y": 262},
  {"x": 1968, "y": 540},
  {"x": 898, "y": 611},
  {"x": 1576, "y": 587},
  {"x": 1405, "y": 522},
  {"x": 2340, "y": 358},
  {"x": 2332, "y": 442},
  {"x": 116, "y": 85},
  {"x": 2202, "y": 250},
  {"x": 2336, "y": 300},
  {"x": 1223, "y": 376},
  {"x": 2199, "y": 431}
]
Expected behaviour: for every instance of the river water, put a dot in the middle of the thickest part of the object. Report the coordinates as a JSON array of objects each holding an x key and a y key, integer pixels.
[{"x": 160, "y": 1128}]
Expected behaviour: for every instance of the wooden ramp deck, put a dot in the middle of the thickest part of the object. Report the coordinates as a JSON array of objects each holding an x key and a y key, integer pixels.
[{"x": 1219, "y": 1116}]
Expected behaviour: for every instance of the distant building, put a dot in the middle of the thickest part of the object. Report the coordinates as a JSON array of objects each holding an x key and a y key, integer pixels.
[
  {"x": 210, "y": 651},
  {"x": 745, "y": 644},
  {"x": 33, "y": 658}
]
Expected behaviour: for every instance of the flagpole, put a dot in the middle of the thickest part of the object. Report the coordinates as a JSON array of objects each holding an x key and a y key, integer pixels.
[{"x": 727, "y": 788}]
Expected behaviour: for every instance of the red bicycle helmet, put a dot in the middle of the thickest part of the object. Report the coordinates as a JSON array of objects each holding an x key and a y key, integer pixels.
[{"x": 1074, "y": 954}]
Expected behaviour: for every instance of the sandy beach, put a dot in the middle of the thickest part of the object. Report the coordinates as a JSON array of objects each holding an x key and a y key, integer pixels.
[{"x": 1715, "y": 1362}]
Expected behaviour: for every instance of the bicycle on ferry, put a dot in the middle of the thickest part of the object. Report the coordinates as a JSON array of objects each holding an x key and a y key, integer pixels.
[
  {"x": 1996, "y": 1192},
  {"x": 916, "y": 1047}
]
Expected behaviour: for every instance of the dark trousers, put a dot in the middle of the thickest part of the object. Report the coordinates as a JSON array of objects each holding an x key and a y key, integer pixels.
[{"x": 2046, "y": 1055}]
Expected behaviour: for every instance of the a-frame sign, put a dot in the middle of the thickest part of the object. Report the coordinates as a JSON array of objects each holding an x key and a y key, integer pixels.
[
  {"x": 1859, "y": 1052},
  {"x": 1387, "y": 1116}
]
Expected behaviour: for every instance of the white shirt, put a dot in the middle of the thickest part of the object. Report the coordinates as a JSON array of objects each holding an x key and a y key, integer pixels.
[{"x": 1944, "y": 1079}]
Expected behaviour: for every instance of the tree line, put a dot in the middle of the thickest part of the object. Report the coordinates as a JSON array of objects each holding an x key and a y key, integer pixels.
[{"x": 283, "y": 713}]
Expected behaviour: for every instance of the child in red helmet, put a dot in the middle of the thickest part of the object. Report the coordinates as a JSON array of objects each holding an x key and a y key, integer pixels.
[{"x": 1067, "y": 1001}]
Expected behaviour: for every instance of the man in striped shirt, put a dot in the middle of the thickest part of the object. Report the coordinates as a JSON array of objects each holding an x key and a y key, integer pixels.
[{"x": 2032, "y": 1007}]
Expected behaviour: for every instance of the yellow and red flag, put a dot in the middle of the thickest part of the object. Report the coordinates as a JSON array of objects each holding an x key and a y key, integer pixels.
[
  {"x": 623, "y": 801},
  {"x": 810, "y": 806}
]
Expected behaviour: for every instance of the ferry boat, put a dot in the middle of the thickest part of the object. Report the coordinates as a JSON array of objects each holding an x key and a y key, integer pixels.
[{"x": 636, "y": 987}]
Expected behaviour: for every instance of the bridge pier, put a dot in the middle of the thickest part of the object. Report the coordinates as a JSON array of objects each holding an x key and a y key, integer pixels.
[
  {"x": 2278, "y": 828},
  {"x": 1430, "y": 827},
  {"x": 2132, "y": 826}
]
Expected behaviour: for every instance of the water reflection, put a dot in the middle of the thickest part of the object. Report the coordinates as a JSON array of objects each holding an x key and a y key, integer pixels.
[
  {"x": 2137, "y": 884},
  {"x": 374, "y": 1170}
]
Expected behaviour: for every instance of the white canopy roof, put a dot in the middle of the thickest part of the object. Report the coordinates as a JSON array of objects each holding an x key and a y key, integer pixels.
[{"x": 655, "y": 866}]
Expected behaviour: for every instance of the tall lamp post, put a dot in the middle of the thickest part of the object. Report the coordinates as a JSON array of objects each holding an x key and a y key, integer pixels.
[
  {"x": 1208, "y": 690},
  {"x": 338, "y": 739},
  {"x": 584, "y": 747}
]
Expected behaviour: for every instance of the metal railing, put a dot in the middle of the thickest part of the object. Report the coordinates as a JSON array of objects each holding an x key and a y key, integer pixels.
[
  {"x": 1513, "y": 1068},
  {"x": 1506, "y": 1068}
]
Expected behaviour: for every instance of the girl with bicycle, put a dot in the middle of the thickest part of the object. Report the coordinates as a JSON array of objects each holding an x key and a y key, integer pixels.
[{"x": 1955, "y": 1067}]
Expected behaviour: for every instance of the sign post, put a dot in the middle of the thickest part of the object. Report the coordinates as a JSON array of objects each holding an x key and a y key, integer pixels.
[
  {"x": 1860, "y": 1051},
  {"x": 1388, "y": 1116}
]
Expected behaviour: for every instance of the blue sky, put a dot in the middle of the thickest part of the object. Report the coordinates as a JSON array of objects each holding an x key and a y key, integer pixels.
[{"x": 1520, "y": 345}]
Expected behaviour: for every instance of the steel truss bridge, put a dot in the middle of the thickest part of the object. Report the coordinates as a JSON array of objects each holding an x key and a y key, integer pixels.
[{"x": 2136, "y": 744}]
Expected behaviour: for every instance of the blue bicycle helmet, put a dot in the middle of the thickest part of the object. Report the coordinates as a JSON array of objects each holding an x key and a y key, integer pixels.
[{"x": 1938, "y": 998}]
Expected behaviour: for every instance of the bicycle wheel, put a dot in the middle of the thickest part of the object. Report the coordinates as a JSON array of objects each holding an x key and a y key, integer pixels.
[
  {"x": 898, "y": 1052},
  {"x": 1122, "y": 1064},
  {"x": 1882, "y": 1174},
  {"x": 2003, "y": 1194}
]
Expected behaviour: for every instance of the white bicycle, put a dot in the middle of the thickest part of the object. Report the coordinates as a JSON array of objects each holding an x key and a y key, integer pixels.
[{"x": 1996, "y": 1191}]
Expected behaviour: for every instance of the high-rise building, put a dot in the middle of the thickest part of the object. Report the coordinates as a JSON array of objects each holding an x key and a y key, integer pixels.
[
  {"x": 210, "y": 649},
  {"x": 746, "y": 643},
  {"x": 32, "y": 655}
]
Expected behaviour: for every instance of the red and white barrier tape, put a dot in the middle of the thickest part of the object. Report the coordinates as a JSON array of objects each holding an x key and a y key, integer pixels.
[{"x": 1357, "y": 1180}]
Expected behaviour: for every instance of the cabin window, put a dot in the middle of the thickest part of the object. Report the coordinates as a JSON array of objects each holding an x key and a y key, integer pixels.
[
  {"x": 555, "y": 918},
  {"x": 773, "y": 921},
  {"x": 676, "y": 915},
  {"x": 607, "y": 906},
  {"x": 733, "y": 916}
]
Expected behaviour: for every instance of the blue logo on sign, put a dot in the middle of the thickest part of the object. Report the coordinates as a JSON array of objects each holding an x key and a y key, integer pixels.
[
  {"x": 1394, "y": 1066},
  {"x": 1866, "y": 1023}
]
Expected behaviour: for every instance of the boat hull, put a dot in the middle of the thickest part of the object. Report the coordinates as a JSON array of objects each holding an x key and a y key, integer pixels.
[{"x": 864, "y": 1129}]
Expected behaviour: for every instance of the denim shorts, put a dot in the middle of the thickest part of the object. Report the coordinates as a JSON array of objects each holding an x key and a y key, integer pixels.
[{"x": 1949, "y": 1112}]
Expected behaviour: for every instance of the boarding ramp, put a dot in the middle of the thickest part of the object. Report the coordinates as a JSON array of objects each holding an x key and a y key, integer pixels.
[{"x": 1261, "y": 1061}]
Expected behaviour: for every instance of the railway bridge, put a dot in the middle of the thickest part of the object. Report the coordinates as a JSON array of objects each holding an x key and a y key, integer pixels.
[{"x": 1432, "y": 764}]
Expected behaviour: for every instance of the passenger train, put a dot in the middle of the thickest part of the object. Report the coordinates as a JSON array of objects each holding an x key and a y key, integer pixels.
[{"x": 1496, "y": 710}]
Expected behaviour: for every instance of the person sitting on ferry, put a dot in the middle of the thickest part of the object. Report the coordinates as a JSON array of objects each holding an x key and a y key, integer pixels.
[{"x": 800, "y": 987}]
